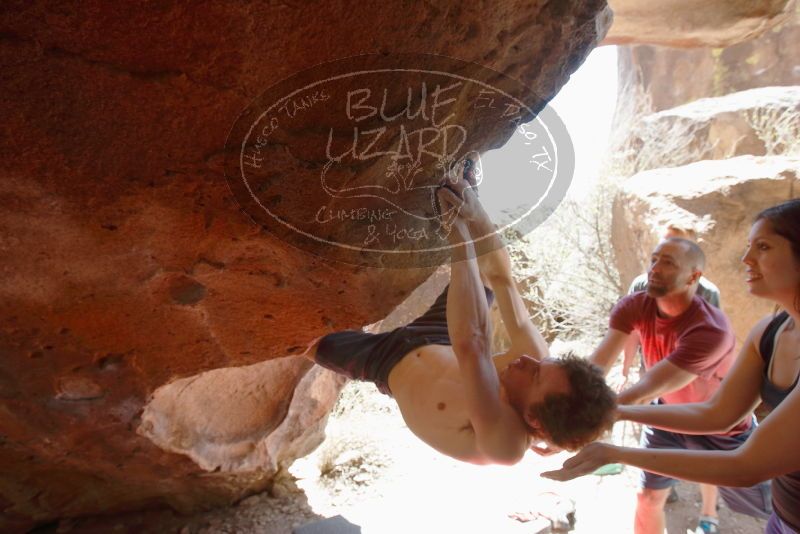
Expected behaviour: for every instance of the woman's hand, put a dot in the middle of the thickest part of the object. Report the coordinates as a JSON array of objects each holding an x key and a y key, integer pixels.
[{"x": 588, "y": 460}]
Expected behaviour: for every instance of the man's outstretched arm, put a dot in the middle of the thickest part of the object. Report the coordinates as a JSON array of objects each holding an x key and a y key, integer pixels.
[
  {"x": 608, "y": 351},
  {"x": 493, "y": 259},
  {"x": 495, "y": 265},
  {"x": 467, "y": 308},
  {"x": 499, "y": 433},
  {"x": 661, "y": 379}
]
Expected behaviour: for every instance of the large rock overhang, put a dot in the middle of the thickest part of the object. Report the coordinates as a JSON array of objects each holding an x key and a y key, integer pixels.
[{"x": 127, "y": 263}]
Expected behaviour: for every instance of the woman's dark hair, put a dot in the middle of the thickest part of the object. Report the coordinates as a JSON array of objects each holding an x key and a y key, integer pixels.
[{"x": 785, "y": 221}]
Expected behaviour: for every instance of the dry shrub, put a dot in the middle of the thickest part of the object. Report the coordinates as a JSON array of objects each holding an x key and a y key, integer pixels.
[
  {"x": 778, "y": 128},
  {"x": 566, "y": 270},
  {"x": 640, "y": 140},
  {"x": 352, "y": 459},
  {"x": 350, "y": 454}
]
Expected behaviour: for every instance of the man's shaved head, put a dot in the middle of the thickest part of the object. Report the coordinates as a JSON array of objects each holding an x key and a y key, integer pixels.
[{"x": 694, "y": 255}]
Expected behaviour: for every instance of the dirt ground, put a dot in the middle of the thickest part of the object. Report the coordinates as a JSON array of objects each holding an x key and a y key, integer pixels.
[{"x": 372, "y": 471}]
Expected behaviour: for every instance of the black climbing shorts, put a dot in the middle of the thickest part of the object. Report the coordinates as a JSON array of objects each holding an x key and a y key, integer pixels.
[{"x": 371, "y": 357}]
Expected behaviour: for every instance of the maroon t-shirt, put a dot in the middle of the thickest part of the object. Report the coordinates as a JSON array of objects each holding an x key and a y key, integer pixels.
[{"x": 700, "y": 341}]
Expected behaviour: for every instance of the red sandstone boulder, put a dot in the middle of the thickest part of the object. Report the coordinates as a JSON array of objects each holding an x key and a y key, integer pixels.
[
  {"x": 128, "y": 266},
  {"x": 757, "y": 122},
  {"x": 656, "y": 78},
  {"x": 717, "y": 198},
  {"x": 706, "y": 138},
  {"x": 692, "y": 23}
]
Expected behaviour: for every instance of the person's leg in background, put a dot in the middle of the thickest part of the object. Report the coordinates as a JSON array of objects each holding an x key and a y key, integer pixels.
[
  {"x": 650, "y": 518},
  {"x": 709, "y": 521}
]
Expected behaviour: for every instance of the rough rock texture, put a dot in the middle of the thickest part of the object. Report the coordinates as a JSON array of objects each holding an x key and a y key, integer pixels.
[
  {"x": 690, "y": 23},
  {"x": 668, "y": 77},
  {"x": 719, "y": 198},
  {"x": 693, "y": 119},
  {"x": 127, "y": 265},
  {"x": 244, "y": 418},
  {"x": 755, "y": 122},
  {"x": 416, "y": 303}
]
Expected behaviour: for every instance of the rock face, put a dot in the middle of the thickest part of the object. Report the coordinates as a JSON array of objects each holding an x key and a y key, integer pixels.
[
  {"x": 127, "y": 266},
  {"x": 668, "y": 77},
  {"x": 756, "y": 122},
  {"x": 243, "y": 419},
  {"x": 719, "y": 199},
  {"x": 692, "y": 23},
  {"x": 708, "y": 136}
]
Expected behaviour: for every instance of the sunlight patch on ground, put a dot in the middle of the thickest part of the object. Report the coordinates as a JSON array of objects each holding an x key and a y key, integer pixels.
[{"x": 393, "y": 482}]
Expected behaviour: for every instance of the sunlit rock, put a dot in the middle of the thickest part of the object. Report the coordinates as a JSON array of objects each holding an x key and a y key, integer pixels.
[{"x": 718, "y": 199}]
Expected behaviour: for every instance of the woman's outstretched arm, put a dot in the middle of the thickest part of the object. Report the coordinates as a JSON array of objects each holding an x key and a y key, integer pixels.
[
  {"x": 736, "y": 398},
  {"x": 770, "y": 451}
]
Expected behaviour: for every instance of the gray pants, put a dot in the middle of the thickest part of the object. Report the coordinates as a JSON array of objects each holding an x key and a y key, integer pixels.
[{"x": 755, "y": 500}]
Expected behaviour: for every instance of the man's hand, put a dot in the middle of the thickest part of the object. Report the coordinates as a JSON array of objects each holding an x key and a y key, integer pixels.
[
  {"x": 457, "y": 197},
  {"x": 454, "y": 224},
  {"x": 588, "y": 460},
  {"x": 453, "y": 228},
  {"x": 465, "y": 171}
]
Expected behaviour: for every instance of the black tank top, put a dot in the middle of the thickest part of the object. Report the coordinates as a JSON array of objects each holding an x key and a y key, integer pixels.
[
  {"x": 770, "y": 393},
  {"x": 785, "y": 488}
]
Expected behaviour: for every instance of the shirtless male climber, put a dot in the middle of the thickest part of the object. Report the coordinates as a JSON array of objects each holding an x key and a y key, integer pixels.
[{"x": 452, "y": 393}]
